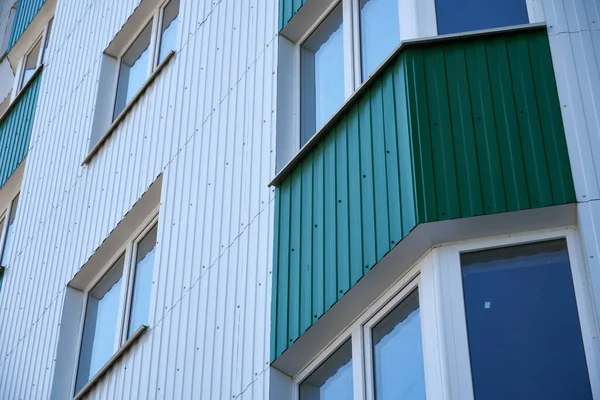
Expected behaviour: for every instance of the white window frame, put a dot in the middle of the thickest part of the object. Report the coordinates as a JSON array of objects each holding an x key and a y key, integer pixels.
[
  {"x": 19, "y": 84},
  {"x": 4, "y": 217},
  {"x": 156, "y": 19},
  {"x": 438, "y": 278},
  {"x": 127, "y": 250},
  {"x": 360, "y": 335}
]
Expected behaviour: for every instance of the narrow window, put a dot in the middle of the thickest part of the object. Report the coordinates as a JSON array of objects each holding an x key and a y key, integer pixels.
[
  {"x": 100, "y": 325},
  {"x": 454, "y": 16},
  {"x": 523, "y": 326},
  {"x": 133, "y": 70},
  {"x": 142, "y": 286},
  {"x": 10, "y": 233},
  {"x": 47, "y": 41},
  {"x": 333, "y": 379},
  {"x": 169, "y": 29},
  {"x": 322, "y": 74},
  {"x": 379, "y": 32},
  {"x": 31, "y": 63},
  {"x": 398, "y": 353}
]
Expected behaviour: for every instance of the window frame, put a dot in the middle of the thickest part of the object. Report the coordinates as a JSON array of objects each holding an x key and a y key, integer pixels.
[
  {"x": 359, "y": 333},
  {"x": 451, "y": 284},
  {"x": 438, "y": 278},
  {"x": 125, "y": 297},
  {"x": 153, "y": 56},
  {"x": 5, "y": 218}
]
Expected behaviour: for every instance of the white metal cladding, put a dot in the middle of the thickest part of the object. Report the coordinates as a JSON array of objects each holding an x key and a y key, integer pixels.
[
  {"x": 574, "y": 30},
  {"x": 208, "y": 125}
]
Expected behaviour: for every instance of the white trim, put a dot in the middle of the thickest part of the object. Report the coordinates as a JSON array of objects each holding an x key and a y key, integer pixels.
[
  {"x": 79, "y": 344},
  {"x": 358, "y": 363},
  {"x": 348, "y": 45},
  {"x": 5, "y": 218},
  {"x": 124, "y": 299}
]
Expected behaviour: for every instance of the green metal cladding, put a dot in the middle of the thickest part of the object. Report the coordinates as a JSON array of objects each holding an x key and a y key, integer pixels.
[
  {"x": 449, "y": 129},
  {"x": 15, "y": 131},
  {"x": 287, "y": 9},
  {"x": 26, "y": 12}
]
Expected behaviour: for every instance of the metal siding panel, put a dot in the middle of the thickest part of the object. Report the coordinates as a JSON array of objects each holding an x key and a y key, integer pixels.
[
  {"x": 183, "y": 123},
  {"x": 26, "y": 12},
  {"x": 435, "y": 136},
  {"x": 15, "y": 131}
]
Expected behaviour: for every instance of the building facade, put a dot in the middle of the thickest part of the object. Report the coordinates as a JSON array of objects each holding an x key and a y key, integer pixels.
[{"x": 299, "y": 199}]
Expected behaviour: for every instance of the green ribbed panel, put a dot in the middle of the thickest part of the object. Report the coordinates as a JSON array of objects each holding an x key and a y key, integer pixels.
[
  {"x": 448, "y": 130},
  {"x": 26, "y": 12},
  {"x": 287, "y": 9},
  {"x": 15, "y": 131}
]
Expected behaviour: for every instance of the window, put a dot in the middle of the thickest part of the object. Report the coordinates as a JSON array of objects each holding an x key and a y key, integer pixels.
[
  {"x": 523, "y": 325},
  {"x": 322, "y": 58},
  {"x": 8, "y": 225},
  {"x": 385, "y": 342},
  {"x": 117, "y": 305},
  {"x": 327, "y": 51},
  {"x": 398, "y": 353},
  {"x": 379, "y": 32},
  {"x": 145, "y": 54},
  {"x": 333, "y": 379},
  {"x": 454, "y": 16},
  {"x": 35, "y": 57}
]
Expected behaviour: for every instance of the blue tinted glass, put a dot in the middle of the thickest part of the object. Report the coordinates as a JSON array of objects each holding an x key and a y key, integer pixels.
[
  {"x": 322, "y": 74},
  {"x": 454, "y": 16},
  {"x": 142, "y": 284},
  {"x": 524, "y": 334},
  {"x": 100, "y": 326},
  {"x": 169, "y": 29},
  {"x": 333, "y": 379},
  {"x": 379, "y": 32},
  {"x": 398, "y": 353}
]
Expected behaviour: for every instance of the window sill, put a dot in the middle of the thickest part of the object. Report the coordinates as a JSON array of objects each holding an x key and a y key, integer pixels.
[
  {"x": 21, "y": 93},
  {"x": 128, "y": 108},
  {"x": 112, "y": 361},
  {"x": 326, "y": 128}
]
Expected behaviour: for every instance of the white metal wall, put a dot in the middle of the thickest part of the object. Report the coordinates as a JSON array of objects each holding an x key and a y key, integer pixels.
[
  {"x": 208, "y": 124},
  {"x": 574, "y": 31}
]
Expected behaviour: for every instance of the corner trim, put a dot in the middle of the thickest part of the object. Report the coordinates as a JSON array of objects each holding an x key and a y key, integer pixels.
[
  {"x": 325, "y": 129},
  {"x": 128, "y": 108},
  {"x": 112, "y": 361},
  {"x": 21, "y": 93}
]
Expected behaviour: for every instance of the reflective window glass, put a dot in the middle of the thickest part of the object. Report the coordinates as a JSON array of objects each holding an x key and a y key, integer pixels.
[
  {"x": 10, "y": 233},
  {"x": 142, "y": 284},
  {"x": 133, "y": 71},
  {"x": 322, "y": 74},
  {"x": 169, "y": 29},
  {"x": 379, "y": 32},
  {"x": 31, "y": 63},
  {"x": 398, "y": 353},
  {"x": 523, "y": 326},
  {"x": 333, "y": 379},
  {"x": 455, "y": 16},
  {"x": 100, "y": 325}
]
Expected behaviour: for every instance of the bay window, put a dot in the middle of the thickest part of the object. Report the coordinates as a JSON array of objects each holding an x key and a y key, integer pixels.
[{"x": 504, "y": 319}]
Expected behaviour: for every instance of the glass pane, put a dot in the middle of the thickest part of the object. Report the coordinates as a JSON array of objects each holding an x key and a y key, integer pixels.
[
  {"x": 100, "y": 326},
  {"x": 322, "y": 74},
  {"x": 398, "y": 353},
  {"x": 523, "y": 324},
  {"x": 31, "y": 63},
  {"x": 379, "y": 32},
  {"x": 169, "y": 29},
  {"x": 454, "y": 16},
  {"x": 10, "y": 233},
  {"x": 134, "y": 70},
  {"x": 333, "y": 379},
  {"x": 142, "y": 284}
]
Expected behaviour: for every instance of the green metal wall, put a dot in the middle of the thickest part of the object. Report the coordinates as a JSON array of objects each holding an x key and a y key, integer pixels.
[
  {"x": 15, "y": 131},
  {"x": 450, "y": 129},
  {"x": 26, "y": 11},
  {"x": 287, "y": 9}
]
